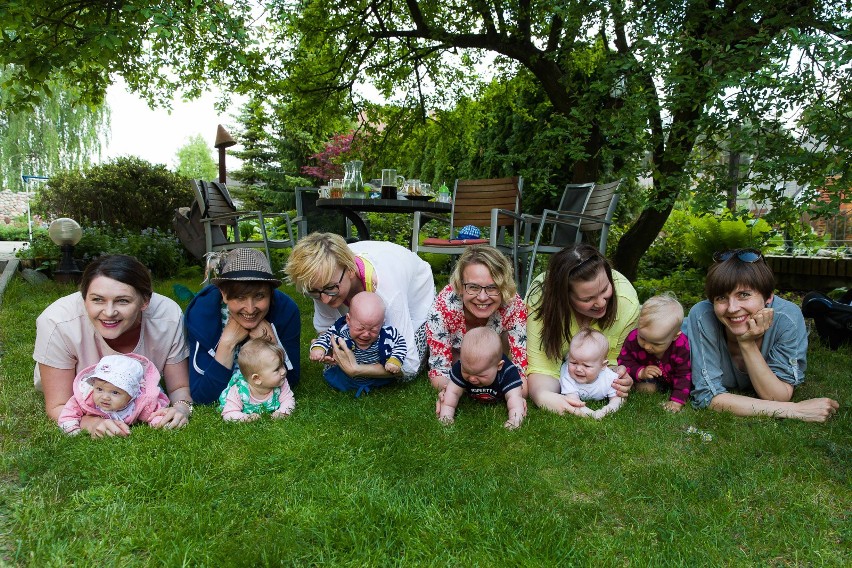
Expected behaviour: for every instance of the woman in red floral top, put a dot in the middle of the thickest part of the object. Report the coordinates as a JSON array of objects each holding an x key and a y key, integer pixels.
[{"x": 481, "y": 292}]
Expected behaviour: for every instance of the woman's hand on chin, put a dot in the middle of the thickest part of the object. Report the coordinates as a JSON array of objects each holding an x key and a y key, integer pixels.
[
  {"x": 758, "y": 323},
  {"x": 233, "y": 334},
  {"x": 263, "y": 330}
]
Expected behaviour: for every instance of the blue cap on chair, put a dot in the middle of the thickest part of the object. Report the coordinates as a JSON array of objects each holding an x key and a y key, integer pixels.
[{"x": 469, "y": 232}]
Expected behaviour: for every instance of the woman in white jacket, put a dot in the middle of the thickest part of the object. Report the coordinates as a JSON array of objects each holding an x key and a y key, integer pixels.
[{"x": 331, "y": 272}]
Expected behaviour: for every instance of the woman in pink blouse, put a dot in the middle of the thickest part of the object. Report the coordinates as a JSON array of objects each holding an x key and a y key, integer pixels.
[{"x": 481, "y": 292}]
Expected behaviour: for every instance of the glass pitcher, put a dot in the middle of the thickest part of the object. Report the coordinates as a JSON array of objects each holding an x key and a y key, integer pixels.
[
  {"x": 347, "y": 175},
  {"x": 356, "y": 181}
]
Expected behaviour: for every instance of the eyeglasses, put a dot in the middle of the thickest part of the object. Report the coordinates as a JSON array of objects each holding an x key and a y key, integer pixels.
[
  {"x": 330, "y": 291},
  {"x": 474, "y": 289},
  {"x": 746, "y": 255}
]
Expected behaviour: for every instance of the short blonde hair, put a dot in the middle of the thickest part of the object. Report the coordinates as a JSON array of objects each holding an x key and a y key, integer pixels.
[
  {"x": 663, "y": 307},
  {"x": 316, "y": 258},
  {"x": 496, "y": 263},
  {"x": 482, "y": 343},
  {"x": 248, "y": 359}
]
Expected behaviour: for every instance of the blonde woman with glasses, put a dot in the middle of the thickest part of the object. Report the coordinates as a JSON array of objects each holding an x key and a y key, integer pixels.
[
  {"x": 745, "y": 338},
  {"x": 481, "y": 293},
  {"x": 579, "y": 290},
  {"x": 331, "y": 272}
]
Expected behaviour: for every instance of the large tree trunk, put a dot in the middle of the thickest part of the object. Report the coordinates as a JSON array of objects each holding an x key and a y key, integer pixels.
[{"x": 637, "y": 239}]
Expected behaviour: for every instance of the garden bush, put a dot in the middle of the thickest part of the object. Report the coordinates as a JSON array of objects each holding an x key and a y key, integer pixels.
[
  {"x": 707, "y": 235},
  {"x": 687, "y": 285},
  {"x": 159, "y": 250},
  {"x": 17, "y": 230},
  {"x": 127, "y": 192},
  {"x": 669, "y": 253}
]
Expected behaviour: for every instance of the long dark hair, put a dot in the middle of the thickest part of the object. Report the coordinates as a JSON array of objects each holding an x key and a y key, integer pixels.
[
  {"x": 121, "y": 267},
  {"x": 575, "y": 263}
]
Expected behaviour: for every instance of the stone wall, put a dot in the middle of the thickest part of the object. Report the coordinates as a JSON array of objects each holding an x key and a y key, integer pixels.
[{"x": 13, "y": 204}]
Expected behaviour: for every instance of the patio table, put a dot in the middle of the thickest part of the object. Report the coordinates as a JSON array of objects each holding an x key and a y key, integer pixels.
[{"x": 351, "y": 206}]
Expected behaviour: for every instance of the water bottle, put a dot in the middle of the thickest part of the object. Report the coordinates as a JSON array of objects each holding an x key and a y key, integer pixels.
[{"x": 444, "y": 193}]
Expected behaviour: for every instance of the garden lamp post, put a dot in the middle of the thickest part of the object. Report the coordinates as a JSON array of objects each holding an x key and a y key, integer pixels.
[
  {"x": 223, "y": 140},
  {"x": 66, "y": 233}
]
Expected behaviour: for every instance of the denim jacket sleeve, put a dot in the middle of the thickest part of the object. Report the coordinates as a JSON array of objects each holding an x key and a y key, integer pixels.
[{"x": 786, "y": 344}]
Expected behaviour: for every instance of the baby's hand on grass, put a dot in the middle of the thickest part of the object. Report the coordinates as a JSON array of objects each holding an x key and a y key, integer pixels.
[
  {"x": 514, "y": 421},
  {"x": 392, "y": 368},
  {"x": 278, "y": 415},
  {"x": 251, "y": 417},
  {"x": 446, "y": 420},
  {"x": 672, "y": 406}
]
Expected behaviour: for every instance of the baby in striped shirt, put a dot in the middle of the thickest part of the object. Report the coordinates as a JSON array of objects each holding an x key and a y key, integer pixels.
[{"x": 372, "y": 343}]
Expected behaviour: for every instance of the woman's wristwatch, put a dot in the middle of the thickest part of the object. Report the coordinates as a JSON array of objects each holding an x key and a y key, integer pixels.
[{"x": 187, "y": 404}]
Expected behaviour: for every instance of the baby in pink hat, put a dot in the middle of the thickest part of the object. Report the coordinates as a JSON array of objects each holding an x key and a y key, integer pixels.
[{"x": 124, "y": 388}]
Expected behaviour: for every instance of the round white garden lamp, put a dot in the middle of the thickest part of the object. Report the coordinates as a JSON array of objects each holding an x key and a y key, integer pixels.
[{"x": 66, "y": 233}]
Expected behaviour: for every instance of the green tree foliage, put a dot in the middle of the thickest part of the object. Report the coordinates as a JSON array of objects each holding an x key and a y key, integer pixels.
[
  {"x": 195, "y": 160},
  {"x": 622, "y": 80},
  {"x": 274, "y": 147},
  {"x": 627, "y": 79},
  {"x": 159, "y": 46},
  {"x": 54, "y": 134},
  {"x": 126, "y": 192},
  {"x": 257, "y": 154}
]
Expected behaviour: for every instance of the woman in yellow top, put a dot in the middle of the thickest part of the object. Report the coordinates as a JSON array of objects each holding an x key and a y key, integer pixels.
[{"x": 580, "y": 289}]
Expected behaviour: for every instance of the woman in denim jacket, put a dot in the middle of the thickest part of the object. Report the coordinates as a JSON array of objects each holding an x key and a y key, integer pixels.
[{"x": 745, "y": 338}]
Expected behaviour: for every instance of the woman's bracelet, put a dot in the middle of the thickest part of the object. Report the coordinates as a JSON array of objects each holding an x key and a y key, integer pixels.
[{"x": 187, "y": 404}]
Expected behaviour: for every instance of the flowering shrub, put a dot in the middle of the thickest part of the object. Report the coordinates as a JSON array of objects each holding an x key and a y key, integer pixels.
[{"x": 328, "y": 161}]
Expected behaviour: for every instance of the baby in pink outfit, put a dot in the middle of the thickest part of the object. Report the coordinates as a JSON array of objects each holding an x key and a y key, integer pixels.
[{"x": 123, "y": 388}]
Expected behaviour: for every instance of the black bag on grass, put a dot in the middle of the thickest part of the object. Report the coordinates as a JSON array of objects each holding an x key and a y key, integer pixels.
[{"x": 833, "y": 319}]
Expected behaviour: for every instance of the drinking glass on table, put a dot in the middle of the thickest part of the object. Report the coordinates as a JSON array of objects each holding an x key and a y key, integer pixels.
[
  {"x": 412, "y": 187},
  {"x": 336, "y": 191}
]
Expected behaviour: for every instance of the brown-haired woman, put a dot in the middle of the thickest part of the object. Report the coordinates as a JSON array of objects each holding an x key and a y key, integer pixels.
[
  {"x": 115, "y": 311},
  {"x": 579, "y": 290},
  {"x": 744, "y": 337}
]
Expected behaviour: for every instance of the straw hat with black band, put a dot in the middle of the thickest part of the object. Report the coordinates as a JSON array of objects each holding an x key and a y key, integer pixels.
[{"x": 240, "y": 265}]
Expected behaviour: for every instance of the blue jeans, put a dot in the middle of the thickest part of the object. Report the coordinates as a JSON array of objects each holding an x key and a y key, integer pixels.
[{"x": 339, "y": 380}]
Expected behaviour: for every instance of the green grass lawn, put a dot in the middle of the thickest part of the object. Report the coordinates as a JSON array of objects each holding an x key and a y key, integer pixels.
[{"x": 378, "y": 481}]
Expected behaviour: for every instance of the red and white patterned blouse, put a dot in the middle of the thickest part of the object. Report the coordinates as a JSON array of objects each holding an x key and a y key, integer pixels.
[{"x": 445, "y": 327}]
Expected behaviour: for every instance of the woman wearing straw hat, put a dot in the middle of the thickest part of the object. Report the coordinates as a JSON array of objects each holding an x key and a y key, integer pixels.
[
  {"x": 242, "y": 303},
  {"x": 115, "y": 312},
  {"x": 331, "y": 272}
]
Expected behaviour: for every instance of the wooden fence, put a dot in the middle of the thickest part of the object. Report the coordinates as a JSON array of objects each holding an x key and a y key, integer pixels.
[{"x": 811, "y": 273}]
